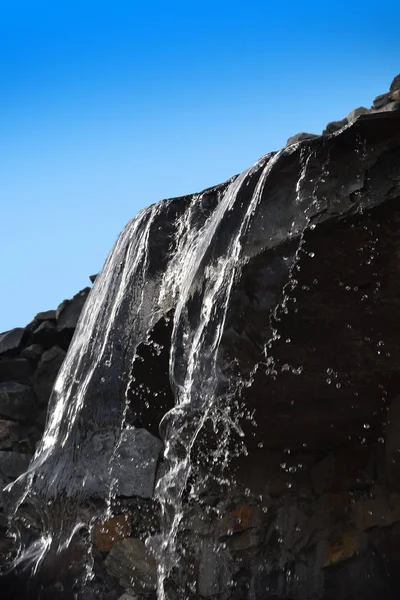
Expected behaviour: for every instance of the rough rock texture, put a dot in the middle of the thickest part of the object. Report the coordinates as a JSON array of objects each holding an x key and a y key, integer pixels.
[{"x": 314, "y": 510}]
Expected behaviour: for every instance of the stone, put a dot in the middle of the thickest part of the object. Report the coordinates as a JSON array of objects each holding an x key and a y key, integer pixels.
[
  {"x": 9, "y": 434},
  {"x": 13, "y": 464},
  {"x": 69, "y": 311},
  {"x": 390, "y": 107},
  {"x": 395, "y": 95},
  {"x": 45, "y": 335},
  {"x": 335, "y": 126},
  {"x": 46, "y": 374},
  {"x": 10, "y": 341},
  {"x": 135, "y": 569},
  {"x": 127, "y": 597},
  {"x": 395, "y": 85},
  {"x": 107, "y": 533},
  {"x": 46, "y": 315},
  {"x": 357, "y": 112},
  {"x": 17, "y": 401},
  {"x": 93, "y": 277},
  {"x": 299, "y": 137},
  {"x": 137, "y": 459},
  {"x": 32, "y": 352},
  {"x": 381, "y": 100},
  {"x": 15, "y": 369}
]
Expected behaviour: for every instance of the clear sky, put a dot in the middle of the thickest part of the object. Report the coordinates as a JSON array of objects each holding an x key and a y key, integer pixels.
[{"x": 107, "y": 107}]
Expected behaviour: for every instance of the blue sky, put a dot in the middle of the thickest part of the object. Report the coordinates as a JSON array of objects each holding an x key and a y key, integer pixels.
[{"x": 107, "y": 107}]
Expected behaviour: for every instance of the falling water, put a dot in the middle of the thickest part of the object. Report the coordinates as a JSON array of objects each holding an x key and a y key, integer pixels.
[{"x": 175, "y": 256}]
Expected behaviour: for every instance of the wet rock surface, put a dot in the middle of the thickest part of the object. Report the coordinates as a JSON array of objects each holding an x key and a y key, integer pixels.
[{"x": 313, "y": 509}]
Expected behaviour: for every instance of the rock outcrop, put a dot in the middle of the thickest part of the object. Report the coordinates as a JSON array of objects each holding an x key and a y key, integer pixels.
[{"x": 312, "y": 506}]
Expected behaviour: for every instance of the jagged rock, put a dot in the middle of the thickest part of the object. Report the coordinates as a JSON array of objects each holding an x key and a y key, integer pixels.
[
  {"x": 12, "y": 464},
  {"x": 395, "y": 85},
  {"x": 127, "y": 597},
  {"x": 69, "y": 311},
  {"x": 10, "y": 341},
  {"x": 45, "y": 334},
  {"x": 139, "y": 448},
  {"x": 15, "y": 369},
  {"x": 357, "y": 112},
  {"x": 47, "y": 371},
  {"x": 299, "y": 137},
  {"x": 335, "y": 126},
  {"x": 32, "y": 352},
  {"x": 381, "y": 100},
  {"x": 93, "y": 277},
  {"x": 46, "y": 315},
  {"x": 9, "y": 434},
  {"x": 17, "y": 401},
  {"x": 133, "y": 566}
]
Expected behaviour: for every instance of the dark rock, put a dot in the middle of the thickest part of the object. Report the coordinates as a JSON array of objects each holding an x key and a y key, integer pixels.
[
  {"x": 381, "y": 100},
  {"x": 32, "y": 352},
  {"x": 357, "y": 112},
  {"x": 45, "y": 334},
  {"x": 46, "y": 373},
  {"x": 299, "y": 137},
  {"x": 15, "y": 369},
  {"x": 140, "y": 448},
  {"x": 13, "y": 464},
  {"x": 93, "y": 278},
  {"x": 17, "y": 401},
  {"x": 133, "y": 566},
  {"x": 69, "y": 311},
  {"x": 335, "y": 126},
  {"x": 395, "y": 85},
  {"x": 9, "y": 434},
  {"x": 10, "y": 341},
  {"x": 47, "y": 315}
]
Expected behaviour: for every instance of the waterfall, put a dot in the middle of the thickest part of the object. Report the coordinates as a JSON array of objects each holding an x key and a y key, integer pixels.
[{"x": 175, "y": 258}]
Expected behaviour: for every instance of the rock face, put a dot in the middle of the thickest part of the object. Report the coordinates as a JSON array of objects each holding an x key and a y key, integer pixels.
[{"x": 311, "y": 509}]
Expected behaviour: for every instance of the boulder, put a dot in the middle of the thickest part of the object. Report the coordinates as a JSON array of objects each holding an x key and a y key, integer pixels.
[
  {"x": 357, "y": 112},
  {"x": 381, "y": 100},
  {"x": 32, "y": 352},
  {"x": 69, "y": 311},
  {"x": 136, "y": 464},
  {"x": 299, "y": 137},
  {"x": 15, "y": 369},
  {"x": 395, "y": 85},
  {"x": 335, "y": 126},
  {"x": 17, "y": 401},
  {"x": 10, "y": 341},
  {"x": 130, "y": 563},
  {"x": 45, "y": 334},
  {"x": 395, "y": 95},
  {"x": 47, "y": 371},
  {"x": 390, "y": 107},
  {"x": 47, "y": 315}
]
